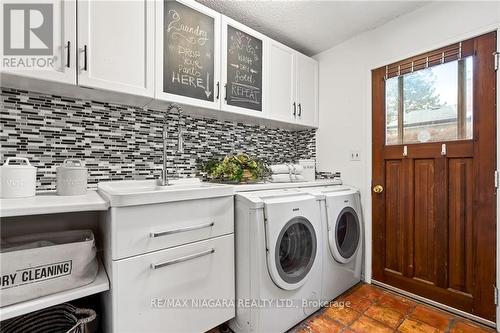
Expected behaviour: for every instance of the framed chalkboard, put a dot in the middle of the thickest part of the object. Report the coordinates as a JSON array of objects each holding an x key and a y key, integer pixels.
[
  {"x": 188, "y": 56},
  {"x": 244, "y": 70}
]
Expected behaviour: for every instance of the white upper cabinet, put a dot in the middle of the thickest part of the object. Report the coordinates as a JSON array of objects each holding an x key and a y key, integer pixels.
[
  {"x": 243, "y": 65},
  {"x": 293, "y": 86},
  {"x": 307, "y": 90},
  {"x": 62, "y": 42},
  {"x": 187, "y": 53},
  {"x": 116, "y": 45},
  {"x": 281, "y": 83}
]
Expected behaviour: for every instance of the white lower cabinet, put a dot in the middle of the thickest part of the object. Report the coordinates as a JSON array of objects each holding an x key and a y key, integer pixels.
[
  {"x": 181, "y": 289},
  {"x": 171, "y": 266}
]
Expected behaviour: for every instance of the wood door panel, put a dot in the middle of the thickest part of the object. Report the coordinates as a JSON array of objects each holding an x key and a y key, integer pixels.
[
  {"x": 421, "y": 288},
  {"x": 460, "y": 225},
  {"x": 434, "y": 224},
  {"x": 463, "y": 148},
  {"x": 424, "y": 221},
  {"x": 393, "y": 216}
]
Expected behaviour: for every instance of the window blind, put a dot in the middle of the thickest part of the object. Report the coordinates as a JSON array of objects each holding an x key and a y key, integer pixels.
[{"x": 440, "y": 56}]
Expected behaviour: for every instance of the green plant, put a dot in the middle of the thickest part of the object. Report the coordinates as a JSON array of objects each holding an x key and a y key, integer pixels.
[{"x": 236, "y": 168}]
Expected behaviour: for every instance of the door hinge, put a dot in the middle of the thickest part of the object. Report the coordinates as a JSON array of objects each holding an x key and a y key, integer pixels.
[
  {"x": 496, "y": 56},
  {"x": 495, "y": 295},
  {"x": 496, "y": 178}
]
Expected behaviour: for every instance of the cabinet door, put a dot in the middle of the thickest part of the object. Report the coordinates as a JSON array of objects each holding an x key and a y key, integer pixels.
[
  {"x": 63, "y": 27},
  {"x": 243, "y": 66},
  {"x": 149, "y": 290},
  {"x": 282, "y": 83},
  {"x": 307, "y": 107},
  {"x": 116, "y": 45},
  {"x": 187, "y": 53}
]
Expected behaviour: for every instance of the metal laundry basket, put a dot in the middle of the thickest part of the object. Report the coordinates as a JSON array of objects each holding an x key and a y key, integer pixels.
[{"x": 63, "y": 318}]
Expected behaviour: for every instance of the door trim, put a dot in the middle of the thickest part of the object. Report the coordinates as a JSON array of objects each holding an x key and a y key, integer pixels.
[{"x": 436, "y": 304}]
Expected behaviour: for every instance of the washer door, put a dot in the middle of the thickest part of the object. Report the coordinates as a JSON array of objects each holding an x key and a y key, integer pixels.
[
  {"x": 294, "y": 253},
  {"x": 345, "y": 235}
]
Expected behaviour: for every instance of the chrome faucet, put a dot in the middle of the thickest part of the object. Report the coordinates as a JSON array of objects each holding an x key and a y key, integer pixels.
[{"x": 164, "y": 175}]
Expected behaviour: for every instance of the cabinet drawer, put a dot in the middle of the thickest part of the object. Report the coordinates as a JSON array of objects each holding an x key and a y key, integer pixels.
[
  {"x": 141, "y": 229},
  {"x": 148, "y": 299}
]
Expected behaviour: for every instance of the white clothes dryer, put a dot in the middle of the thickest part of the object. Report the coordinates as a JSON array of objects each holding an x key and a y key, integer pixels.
[{"x": 341, "y": 238}]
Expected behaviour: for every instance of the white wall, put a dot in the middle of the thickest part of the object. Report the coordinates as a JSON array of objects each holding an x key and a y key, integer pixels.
[{"x": 345, "y": 83}]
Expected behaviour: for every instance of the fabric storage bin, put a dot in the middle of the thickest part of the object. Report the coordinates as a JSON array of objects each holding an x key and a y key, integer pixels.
[
  {"x": 41, "y": 264},
  {"x": 62, "y": 318}
]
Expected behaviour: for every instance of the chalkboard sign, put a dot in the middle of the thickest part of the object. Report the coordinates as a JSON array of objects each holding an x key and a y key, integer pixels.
[
  {"x": 244, "y": 70},
  {"x": 188, "y": 56}
]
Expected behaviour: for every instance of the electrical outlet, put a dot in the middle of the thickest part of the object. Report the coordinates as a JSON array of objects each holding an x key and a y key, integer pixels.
[{"x": 355, "y": 155}]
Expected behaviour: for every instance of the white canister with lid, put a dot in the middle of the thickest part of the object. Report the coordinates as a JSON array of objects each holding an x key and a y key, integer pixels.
[
  {"x": 17, "y": 180},
  {"x": 71, "y": 178}
]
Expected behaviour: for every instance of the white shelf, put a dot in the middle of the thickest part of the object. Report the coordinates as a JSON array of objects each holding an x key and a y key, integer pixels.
[
  {"x": 100, "y": 284},
  {"x": 51, "y": 203}
]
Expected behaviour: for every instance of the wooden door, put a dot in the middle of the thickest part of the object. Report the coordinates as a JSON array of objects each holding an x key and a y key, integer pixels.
[
  {"x": 116, "y": 46},
  {"x": 307, "y": 99},
  {"x": 434, "y": 216}
]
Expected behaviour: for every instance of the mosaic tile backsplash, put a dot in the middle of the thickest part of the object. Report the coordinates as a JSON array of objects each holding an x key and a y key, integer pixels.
[{"x": 123, "y": 142}]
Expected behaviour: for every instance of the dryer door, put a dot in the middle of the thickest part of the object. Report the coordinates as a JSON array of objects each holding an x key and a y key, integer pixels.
[
  {"x": 344, "y": 234},
  {"x": 291, "y": 238}
]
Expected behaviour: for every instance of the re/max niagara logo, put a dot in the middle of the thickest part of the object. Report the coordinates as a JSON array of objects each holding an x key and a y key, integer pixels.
[{"x": 28, "y": 36}]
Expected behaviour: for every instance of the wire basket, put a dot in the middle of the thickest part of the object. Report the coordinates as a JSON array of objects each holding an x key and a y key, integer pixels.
[{"x": 63, "y": 318}]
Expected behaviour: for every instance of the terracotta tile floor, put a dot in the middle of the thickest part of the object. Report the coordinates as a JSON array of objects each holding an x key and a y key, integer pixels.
[{"x": 370, "y": 309}]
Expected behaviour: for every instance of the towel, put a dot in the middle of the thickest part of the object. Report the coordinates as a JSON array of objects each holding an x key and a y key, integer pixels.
[
  {"x": 287, "y": 178},
  {"x": 281, "y": 178},
  {"x": 286, "y": 169},
  {"x": 300, "y": 178}
]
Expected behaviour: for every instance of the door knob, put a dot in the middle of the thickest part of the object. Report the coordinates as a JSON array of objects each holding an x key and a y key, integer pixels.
[{"x": 378, "y": 189}]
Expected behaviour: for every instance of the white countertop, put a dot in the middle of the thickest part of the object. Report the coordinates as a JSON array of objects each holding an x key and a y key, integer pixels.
[
  {"x": 51, "y": 203},
  {"x": 142, "y": 192},
  {"x": 274, "y": 186}
]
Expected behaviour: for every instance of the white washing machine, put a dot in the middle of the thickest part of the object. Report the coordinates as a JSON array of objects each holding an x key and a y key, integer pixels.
[
  {"x": 342, "y": 238},
  {"x": 278, "y": 259}
]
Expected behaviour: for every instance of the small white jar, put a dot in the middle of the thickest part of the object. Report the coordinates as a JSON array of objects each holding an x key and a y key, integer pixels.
[
  {"x": 17, "y": 180},
  {"x": 71, "y": 178}
]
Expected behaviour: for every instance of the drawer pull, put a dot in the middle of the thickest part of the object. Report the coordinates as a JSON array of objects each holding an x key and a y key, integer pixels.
[
  {"x": 182, "y": 259},
  {"x": 175, "y": 231}
]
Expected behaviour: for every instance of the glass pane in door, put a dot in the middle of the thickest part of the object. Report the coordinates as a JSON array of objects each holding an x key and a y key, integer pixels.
[{"x": 430, "y": 105}]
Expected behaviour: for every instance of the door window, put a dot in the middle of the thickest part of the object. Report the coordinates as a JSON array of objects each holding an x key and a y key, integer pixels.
[
  {"x": 430, "y": 105},
  {"x": 347, "y": 232},
  {"x": 296, "y": 250}
]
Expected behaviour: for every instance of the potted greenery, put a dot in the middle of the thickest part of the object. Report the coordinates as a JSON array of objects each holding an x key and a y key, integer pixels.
[{"x": 239, "y": 168}]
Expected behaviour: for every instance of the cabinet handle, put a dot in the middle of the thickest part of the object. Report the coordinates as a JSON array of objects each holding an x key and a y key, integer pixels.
[
  {"x": 218, "y": 90},
  {"x": 225, "y": 92},
  {"x": 176, "y": 231},
  {"x": 68, "y": 54},
  {"x": 300, "y": 110},
  {"x": 182, "y": 259},
  {"x": 85, "y": 57},
  {"x": 294, "y": 109}
]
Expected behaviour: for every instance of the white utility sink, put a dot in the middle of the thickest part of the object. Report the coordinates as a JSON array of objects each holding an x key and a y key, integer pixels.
[{"x": 141, "y": 192}]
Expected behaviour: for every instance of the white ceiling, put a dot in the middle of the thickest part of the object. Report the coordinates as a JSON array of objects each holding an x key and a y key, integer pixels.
[{"x": 312, "y": 26}]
